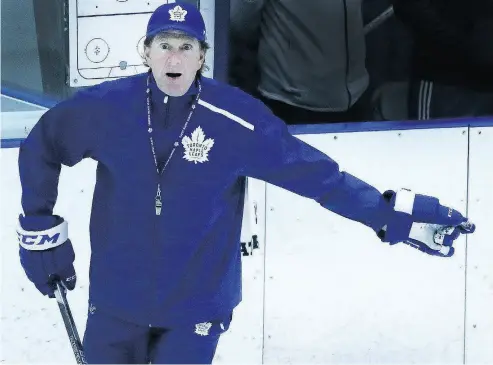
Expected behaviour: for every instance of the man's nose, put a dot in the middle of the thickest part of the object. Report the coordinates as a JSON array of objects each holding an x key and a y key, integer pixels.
[{"x": 174, "y": 59}]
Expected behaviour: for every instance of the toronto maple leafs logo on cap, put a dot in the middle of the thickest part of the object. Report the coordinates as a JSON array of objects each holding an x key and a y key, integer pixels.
[
  {"x": 177, "y": 14},
  {"x": 197, "y": 148},
  {"x": 173, "y": 17}
]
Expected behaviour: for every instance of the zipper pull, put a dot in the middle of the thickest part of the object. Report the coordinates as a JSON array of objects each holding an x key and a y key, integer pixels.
[{"x": 159, "y": 203}]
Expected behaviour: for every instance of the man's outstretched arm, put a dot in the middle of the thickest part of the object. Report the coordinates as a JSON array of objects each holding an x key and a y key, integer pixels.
[{"x": 395, "y": 216}]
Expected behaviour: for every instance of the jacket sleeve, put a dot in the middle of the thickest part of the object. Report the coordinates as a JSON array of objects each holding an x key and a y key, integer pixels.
[
  {"x": 65, "y": 134},
  {"x": 425, "y": 21},
  {"x": 286, "y": 161}
]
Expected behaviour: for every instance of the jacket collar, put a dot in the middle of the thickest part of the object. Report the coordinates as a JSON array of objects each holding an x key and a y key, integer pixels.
[{"x": 158, "y": 95}]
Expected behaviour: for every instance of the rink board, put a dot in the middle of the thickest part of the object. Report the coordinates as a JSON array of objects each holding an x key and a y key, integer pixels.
[
  {"x": 333, "y": 292},
  {"x": 243, "y": 343},
  {"x": 17, "y": 125},
  {"x": 479, "y": 314}
]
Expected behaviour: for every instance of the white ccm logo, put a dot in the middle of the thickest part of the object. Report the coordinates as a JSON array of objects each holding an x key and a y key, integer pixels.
[
  {"x": 43, "y": 240},
  {"x": 38, "y": 240}
]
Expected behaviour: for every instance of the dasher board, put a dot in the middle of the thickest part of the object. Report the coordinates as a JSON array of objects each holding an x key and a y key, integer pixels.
[{"x": 106, "y": 38}]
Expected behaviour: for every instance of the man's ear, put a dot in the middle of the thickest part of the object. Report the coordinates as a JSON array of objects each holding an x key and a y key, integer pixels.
[{"x": 145, "y": 55}]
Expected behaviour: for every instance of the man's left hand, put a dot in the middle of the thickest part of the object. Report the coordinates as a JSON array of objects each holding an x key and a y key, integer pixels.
[
  {"x": 435, "y": 239},
  {"x": 423, "y": 223}
]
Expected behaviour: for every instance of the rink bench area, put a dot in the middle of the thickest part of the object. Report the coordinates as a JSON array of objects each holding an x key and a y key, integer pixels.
[{"x": 321, "y": 288}]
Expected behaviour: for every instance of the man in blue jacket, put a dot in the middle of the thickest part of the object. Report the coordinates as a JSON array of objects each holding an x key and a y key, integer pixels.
[{"x": 173, "y": 150}]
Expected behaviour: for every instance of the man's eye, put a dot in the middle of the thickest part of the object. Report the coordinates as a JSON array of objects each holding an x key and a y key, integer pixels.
[
  {"x": 164, "y": 46},
  {"x": 187, "y": 47}
]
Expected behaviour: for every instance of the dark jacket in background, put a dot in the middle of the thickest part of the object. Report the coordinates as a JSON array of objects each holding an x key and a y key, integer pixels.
[{"x": 453, "y": 40}]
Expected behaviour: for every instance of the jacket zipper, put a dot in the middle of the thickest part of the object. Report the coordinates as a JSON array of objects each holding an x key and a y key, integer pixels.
[
  {"x": 158, "y": 199},
  {"x": 158, "y": 204}
]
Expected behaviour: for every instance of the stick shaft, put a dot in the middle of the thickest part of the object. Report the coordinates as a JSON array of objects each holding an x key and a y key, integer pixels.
[{"x": 69, "y": 322}]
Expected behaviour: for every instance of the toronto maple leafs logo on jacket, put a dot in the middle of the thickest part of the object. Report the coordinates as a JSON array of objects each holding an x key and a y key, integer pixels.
[{"x": 197, "y": 148}]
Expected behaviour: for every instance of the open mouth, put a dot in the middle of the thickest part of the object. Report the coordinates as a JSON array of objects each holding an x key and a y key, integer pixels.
[{"x": 173, "y": 75}]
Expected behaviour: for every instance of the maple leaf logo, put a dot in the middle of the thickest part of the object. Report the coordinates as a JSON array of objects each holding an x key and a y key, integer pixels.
[
  {"x": 197, "y": 148},
  {"x": 177, "y": 14},
  {"x": 202, "y": 329}
]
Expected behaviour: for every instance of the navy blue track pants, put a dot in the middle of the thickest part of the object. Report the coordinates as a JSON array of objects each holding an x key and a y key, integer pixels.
[{"x": 109, "y": 340}]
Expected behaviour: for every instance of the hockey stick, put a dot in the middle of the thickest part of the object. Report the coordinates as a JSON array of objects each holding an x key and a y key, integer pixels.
[
  {"x": 68, "y": 320},
  {"x": 376, "y": 22}
]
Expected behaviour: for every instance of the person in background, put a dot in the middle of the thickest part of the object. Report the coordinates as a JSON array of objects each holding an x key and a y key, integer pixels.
[
  {"x": 452, "y": 60},
  {"x": 311, "y": 57}
]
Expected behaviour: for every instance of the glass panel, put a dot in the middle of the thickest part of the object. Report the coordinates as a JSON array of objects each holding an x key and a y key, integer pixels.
[
  {"x": 34, "y": 53},
  {"x": 20, "y": 57}
]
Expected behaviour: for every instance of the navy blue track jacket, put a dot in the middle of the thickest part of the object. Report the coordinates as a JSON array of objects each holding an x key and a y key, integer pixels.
[{"x": 183, "y": 266}]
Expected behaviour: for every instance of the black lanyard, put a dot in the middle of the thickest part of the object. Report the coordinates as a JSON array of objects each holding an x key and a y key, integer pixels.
[{"x": 158, "y": 201}]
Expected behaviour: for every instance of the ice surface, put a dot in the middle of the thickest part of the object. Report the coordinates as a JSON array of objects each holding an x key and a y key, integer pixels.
[{"x": 31, "y": 325}]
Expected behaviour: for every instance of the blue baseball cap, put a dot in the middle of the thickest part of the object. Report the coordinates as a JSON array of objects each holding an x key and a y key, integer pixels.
[{"x": 177, "y": 16}]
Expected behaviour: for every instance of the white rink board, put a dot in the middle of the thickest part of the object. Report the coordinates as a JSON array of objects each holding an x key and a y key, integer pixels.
[
  {"x": 19, "y": 124},
  {"x": 243, "y": 342},
  {"x": 479, "y": 324},
  {"x": 335, "y": 293}
]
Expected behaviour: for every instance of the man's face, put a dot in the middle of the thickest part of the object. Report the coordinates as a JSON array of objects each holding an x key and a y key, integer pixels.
[{"x": 174, "y": 60}]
